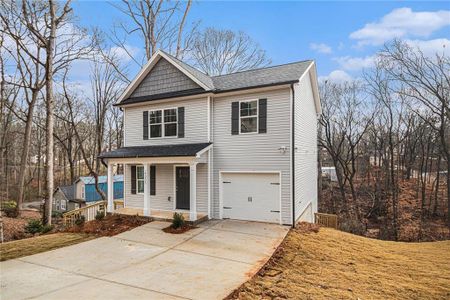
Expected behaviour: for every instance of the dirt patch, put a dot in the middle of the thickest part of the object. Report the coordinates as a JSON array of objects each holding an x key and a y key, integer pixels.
[
  {"x": 110, "y": 225},
  {"x": 179, "y": 230},
  {"x": 331, "y": 264},
  {"x": 14, "y": 228}
]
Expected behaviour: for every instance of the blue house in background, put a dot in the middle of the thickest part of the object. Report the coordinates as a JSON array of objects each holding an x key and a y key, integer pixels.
[{"x": 85, "y": 188}]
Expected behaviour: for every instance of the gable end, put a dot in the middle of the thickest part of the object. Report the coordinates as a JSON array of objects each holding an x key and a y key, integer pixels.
[{"x": 164, "y": 78}]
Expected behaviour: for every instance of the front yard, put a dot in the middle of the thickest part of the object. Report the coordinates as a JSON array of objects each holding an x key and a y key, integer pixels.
[
  {"x": 108, "y": 226},
  {"x": 24, "y": 247},
  {"x": 337, "y": 265}
]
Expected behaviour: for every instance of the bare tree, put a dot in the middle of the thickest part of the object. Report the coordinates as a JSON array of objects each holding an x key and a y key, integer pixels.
[
  {"x": 427, "y": 80},
  {"x": 60, "y": 51},
  {"x": 159, "y": 24},
  {"x": 25, "y": 50},
  {"x": 218, "y": 52},
  {"x": 345, "y": 119}
]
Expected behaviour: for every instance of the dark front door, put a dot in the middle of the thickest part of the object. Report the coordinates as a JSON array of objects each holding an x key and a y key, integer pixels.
[{"x": 182, "y": 188}]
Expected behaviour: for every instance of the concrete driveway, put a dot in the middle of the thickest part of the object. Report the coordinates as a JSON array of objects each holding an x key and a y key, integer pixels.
[{"x": 146, "y": 263}]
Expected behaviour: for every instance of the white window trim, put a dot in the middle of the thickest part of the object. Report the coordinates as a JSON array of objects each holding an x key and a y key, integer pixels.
[
  {"x": 137, "y": 179},
  {"x": 163, "y": 131},
  {"x": 247, "y": 117},
  {"x": 63, "y": 207}
]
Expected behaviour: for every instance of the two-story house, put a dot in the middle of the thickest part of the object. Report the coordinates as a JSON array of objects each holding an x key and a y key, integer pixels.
[{"x": 240, "y": 146}]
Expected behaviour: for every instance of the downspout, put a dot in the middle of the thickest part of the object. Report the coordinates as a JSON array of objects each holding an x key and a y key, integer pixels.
[{"x": 293, "y": 155}]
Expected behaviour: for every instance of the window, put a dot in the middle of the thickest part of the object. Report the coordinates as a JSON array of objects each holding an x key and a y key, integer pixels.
[
  {"x": 248, "y": 115},
  {"x": 63, "y": 204},
  {"x": 170, "y": 122},
  {"x": 82, "y": 192},
  {"x": 155, "y": 124},
  {"x": 140, "y": 179},
  {"x": 163, "y": 123}
]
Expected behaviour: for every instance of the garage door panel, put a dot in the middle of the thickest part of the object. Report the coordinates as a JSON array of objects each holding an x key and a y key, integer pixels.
[{"x": 251, "y": 196}]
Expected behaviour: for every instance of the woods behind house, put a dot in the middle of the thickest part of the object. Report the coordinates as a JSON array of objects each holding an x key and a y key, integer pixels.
[{"x": 386, "y": 133}]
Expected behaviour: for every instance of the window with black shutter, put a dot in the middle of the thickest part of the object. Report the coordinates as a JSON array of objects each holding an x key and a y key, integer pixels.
[
  {"x": 262, "y": 115},
  {"x": 133, "y": 180},
  {"x": 152, "y": 180},
  {"x": 235, "y": 118},
  {"x": 145, "y": 125}
]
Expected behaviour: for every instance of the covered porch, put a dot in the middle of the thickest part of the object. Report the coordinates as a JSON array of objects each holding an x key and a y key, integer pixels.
[{"x": 161, "y": 180}]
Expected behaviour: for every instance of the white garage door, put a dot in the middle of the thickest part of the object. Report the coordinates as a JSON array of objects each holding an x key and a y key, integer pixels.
[{"x": 251, "y": 196}]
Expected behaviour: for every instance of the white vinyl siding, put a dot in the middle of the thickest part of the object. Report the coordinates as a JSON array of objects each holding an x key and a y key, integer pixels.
[
  {"x": 306, "y": 153},
  {"x": 165, "y": 188},
  {"x": 253, "y": 152},
  {"x": 195, "y": 128}
]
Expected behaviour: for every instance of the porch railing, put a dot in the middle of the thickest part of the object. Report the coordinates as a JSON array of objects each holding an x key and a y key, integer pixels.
[
  {"x": 327, "y": 220},
  {"x": 89, "y": 212}
]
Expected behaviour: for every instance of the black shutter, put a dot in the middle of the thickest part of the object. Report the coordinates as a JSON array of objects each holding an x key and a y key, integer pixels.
[
  {"x": 235, "y": 118},
  {"x": 133, "y": 179},
  {"x": 152, "y": 180},
  {"x": 145, "y": 125},
  {"x": 181, "y": 122},
  {"x": 262, "y": 112}
]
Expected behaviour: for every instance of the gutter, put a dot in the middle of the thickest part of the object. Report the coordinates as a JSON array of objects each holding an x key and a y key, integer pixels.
[{"x": 293, "y": 156}]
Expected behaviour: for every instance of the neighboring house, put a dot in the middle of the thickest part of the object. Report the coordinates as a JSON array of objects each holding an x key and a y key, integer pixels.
[
  {"x": 64, "y": 199},
  {"x": 85, "y": 188},
  {"x": 240, "y": 146}
]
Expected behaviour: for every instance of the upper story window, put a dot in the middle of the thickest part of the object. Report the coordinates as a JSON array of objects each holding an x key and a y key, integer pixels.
[
  {"x": 140, "y": 179},
  {"x": 248, "y": 116},
  {"x": 163, "y": 123}
]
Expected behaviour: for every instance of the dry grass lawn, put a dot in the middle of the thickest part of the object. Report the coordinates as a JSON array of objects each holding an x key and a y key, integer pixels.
[
  {"x": 331, "y": 264},
  {"x": 15, "y": 249}
]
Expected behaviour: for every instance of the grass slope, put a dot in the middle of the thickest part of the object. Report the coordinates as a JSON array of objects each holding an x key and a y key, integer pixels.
[
  {"x": 15, "y": 249},
  {"x": 337, "y": 265}
]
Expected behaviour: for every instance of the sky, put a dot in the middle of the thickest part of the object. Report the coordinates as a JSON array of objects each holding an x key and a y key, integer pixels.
[{"x": 341, "y": 37}]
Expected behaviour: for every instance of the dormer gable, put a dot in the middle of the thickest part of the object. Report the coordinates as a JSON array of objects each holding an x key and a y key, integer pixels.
[
  {"x": 163, "y": 74},
  {"x": 164, "y": 78}
]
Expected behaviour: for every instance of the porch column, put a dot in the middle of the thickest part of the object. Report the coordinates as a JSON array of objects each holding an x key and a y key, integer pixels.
[
  {"x": 193, "y": 191},
  {"x": 110, "y": 207},
  {"x": 147, "y": 190}
]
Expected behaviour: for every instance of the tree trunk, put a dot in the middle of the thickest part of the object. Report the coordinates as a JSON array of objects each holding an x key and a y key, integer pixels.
[
  {"x": 50, "y": 111},
  {"x": 26, "y": 149}
]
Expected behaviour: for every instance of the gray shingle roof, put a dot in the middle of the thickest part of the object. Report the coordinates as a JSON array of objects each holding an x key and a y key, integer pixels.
[
  {"x": 287, "y": 73},
  {"x": 68, "y": 191},
  {"x": 268, "y": 76},
  {"x": 205, "y": 79},
  {"x": 156, "y": 151}
]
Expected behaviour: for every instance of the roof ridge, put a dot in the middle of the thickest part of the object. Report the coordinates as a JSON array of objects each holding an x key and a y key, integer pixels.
[
  {"x": 183, "y": 62},
  {"x": 262, "y": 68}
]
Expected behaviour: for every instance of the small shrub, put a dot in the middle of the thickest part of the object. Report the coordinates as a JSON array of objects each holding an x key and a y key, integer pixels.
[
  {"x": 80, "y": 221},
  {"x": 100, "y": 215},
  {"x": 178, "y": 220},
  {"x": 34, "y": 226},
  {"x": 56, "y": 214},
  {"x": 47, "y": 228},
  {"x": 10, "y": 209}
]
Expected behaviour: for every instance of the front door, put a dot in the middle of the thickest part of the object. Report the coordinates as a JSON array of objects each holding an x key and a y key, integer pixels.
[{"x": 182, "y": 187}]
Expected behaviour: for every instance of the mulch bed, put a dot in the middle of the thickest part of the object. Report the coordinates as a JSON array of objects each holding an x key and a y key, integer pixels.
[
  {"x": 110, "y": 225},
  {"x": 179, "y": 230},
  {"x": 14, "y": 228}
]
